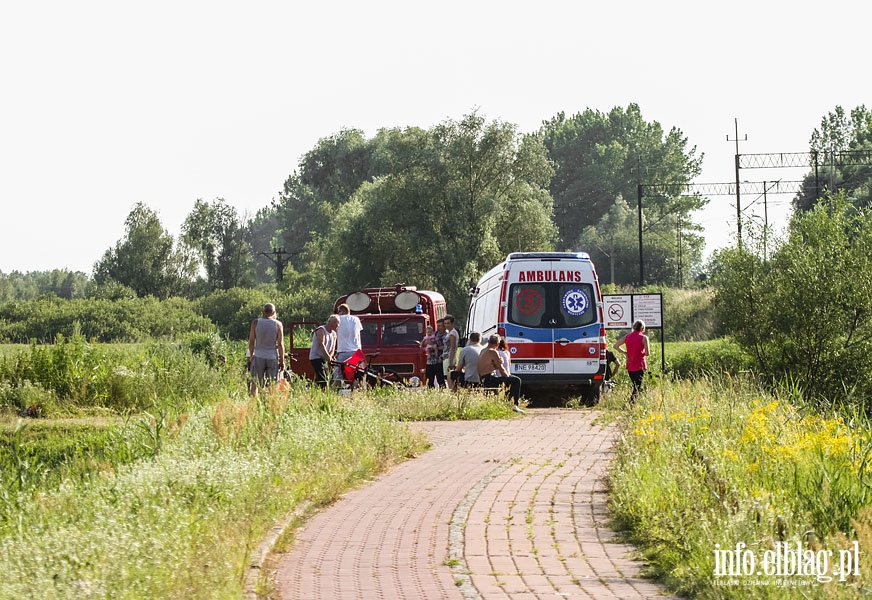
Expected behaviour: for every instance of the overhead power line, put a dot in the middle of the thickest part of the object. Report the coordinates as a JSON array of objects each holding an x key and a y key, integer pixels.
[{"x": 722, "y": 189}]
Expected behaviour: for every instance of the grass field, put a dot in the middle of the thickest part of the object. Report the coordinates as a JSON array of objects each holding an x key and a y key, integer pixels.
[
  {"x": 170, "y": 505},
  {"x": 714, "y": 475}
]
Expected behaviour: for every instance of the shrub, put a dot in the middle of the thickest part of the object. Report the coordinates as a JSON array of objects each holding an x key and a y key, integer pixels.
[
  {"x": 805, "y": 314},
  {"x": 80, "y": 375},
  {"x": 123, "y": 320},
  {"x": 714, "y": 357}
]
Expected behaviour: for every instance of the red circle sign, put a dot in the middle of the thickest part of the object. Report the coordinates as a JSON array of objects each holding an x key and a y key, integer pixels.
[{"x": 529, "y": 302}]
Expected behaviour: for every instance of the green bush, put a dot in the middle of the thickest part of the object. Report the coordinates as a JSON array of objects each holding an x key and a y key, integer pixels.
[
  {"x": 100, "y": 320},
  {"x": 233, "y": 310},
  {"x": 73, "y": 375},
  {"x": 805, "y": 311},
  {"x": 715, "y": 357}
]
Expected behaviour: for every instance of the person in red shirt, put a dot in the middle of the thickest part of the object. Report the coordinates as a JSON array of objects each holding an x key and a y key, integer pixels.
[{"x": 635, "y": 347}]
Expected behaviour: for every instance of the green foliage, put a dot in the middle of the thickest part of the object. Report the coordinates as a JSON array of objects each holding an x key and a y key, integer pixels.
[
  {"x": 690, "y": 314},
  {"x": 452, "y": 202},
  {"x": 603, "y": 156},
  {"x": 102, "y": 320},
  {"x": 690, "y": 360},
  {"x": 714, "y": 462},
  {"x": 217, "y": 233},
  {"x": 146, "y": 260},
  {"x": 233, "y": 310},
  {"x": 73, "y": 375},
  {"x": 210, "y": 346},
  {"x": 839, "y": 146},
  {"x": 32, "y": 285},
  {"x": 806, "y": 314}
]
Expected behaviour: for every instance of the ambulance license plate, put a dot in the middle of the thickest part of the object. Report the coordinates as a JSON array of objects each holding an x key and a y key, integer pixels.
[{"x": 531, "y": 367}]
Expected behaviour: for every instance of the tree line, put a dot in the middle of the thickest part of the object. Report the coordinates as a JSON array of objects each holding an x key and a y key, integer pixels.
[
  {"x": 431, "y": 207},
  {"x": 437, "y": 207}
]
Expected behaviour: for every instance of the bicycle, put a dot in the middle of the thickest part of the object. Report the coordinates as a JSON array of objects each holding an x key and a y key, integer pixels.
[{"x": 358, "y": 371}]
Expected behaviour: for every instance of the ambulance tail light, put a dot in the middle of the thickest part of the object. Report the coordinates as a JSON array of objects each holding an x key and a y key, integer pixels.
[
  {"x": 603, "y": 341},
  {"x": 501, "y": 331}
]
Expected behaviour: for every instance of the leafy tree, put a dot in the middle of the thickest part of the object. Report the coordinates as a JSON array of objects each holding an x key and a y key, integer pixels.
[
  {"x": 600, "y": 156},
  {"x": 216, "y": 232},
  {"x": 146, "y": 259},
  {"x": 842, "y": 144},
  {"x": 451, "y": 202},
  {"x": 614, "y": 242},
  {"x": 806, "y": 314},
  {"x": 328, "y": 176},
  {"x": 263, "y": 235}
]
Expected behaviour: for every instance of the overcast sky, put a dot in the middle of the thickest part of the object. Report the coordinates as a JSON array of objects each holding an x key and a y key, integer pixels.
[{"x": 105, "y": 104}]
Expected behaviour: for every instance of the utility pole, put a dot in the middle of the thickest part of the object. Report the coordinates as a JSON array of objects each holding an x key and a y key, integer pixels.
[
  {"x": 738, "y": 197},
  {"x": 639, "y": 207},
  {"x": 279, "y": 261},
  {"x": 641, "y": 256}
]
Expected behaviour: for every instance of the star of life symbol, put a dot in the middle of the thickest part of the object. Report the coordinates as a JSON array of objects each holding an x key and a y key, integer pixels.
[{"x": 575, "y": 302}]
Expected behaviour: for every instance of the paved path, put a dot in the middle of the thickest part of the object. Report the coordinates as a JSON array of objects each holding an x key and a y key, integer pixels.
[{"x": 495, "y": 510}]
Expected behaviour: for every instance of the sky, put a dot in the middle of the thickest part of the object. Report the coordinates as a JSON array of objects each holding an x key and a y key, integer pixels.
[{"x": 104, "y": 104}]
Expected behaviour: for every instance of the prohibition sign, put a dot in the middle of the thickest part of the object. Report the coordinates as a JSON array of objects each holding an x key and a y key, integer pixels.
[
  {"x": 529, "y": 302},
  {"x": 616, "y": 312}
]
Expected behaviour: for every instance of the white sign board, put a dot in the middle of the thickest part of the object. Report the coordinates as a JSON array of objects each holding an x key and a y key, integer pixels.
[
  {"x": 648, "y": 308},
  {"x": 618, "y": 311},
  {"x": 621, "y": 310}
]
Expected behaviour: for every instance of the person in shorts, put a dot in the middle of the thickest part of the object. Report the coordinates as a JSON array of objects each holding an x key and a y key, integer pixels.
[{"x": 266, "y": 349}]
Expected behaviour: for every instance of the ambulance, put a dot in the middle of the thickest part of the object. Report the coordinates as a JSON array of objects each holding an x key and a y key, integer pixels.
[{"x": 549, "y": 307}]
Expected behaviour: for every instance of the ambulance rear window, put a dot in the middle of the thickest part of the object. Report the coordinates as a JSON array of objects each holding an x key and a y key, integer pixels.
[{"x": 551, "y": 305}]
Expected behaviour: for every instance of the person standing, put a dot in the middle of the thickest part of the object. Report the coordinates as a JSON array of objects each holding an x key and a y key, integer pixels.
[
  {"x": 347, "y": 337},
  {"x": 266, "y": 348},
  {"x": 449, "y": 357},
  {"x": 636, "y": 348},
  {"x": 466, "y": 371},
  {"x": 323, "y": 349},
  {"x": 434, "y": 359},
  {"x": 439, "y": 338},
  {"x": 488, "y": 363}
]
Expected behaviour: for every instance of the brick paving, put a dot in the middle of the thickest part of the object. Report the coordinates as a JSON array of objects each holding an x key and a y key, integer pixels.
[{"x": 509, "y": 510}]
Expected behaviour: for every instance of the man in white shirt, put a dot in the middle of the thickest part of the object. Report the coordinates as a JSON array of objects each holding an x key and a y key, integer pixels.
[{"x": 347, "y": 336}]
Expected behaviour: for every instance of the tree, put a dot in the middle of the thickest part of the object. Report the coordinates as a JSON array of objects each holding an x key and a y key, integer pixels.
[
  {"x": 601, "y": 156},
  {"x": 449, "y": 204},
  {"x": 215, "y": 231},
  {"x": 145, "y": 259},
  {"x": 806, "y": 313},
  {"x": 841, "y": 145},
  {"x": 33, "y": 284},
  {"x": 263, "y": 235},
  {"x": 328, "y": 176},
  {"x": 613, "y": 242}
]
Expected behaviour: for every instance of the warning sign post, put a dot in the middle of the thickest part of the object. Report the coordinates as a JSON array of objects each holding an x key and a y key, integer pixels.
[{"x": 622, "y": 310}]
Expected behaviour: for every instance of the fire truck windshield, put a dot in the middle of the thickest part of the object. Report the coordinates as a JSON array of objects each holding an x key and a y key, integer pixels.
[{"x": 403, "y": 331}]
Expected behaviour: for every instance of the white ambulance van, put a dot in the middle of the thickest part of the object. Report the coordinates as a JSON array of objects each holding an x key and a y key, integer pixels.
[{"x": 549, "y": 307}]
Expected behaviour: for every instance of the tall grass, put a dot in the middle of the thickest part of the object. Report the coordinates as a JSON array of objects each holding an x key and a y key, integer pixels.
[
  {"x": 717, "y": 462},
  {"x": 170, "y": 505},
  {"x": 182, "y": 523},
  {"x": 73, "y": 375}
]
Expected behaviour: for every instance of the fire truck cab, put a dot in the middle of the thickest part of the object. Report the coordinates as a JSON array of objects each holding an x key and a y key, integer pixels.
[{"x": 394, "y": 320}]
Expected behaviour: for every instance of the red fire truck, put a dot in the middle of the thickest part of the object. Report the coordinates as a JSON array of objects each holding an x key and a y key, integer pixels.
[{"x": 394, "y": 320}]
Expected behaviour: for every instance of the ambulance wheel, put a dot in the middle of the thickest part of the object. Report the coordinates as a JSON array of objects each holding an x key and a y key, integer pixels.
[{"x": 591, "y": 394}]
